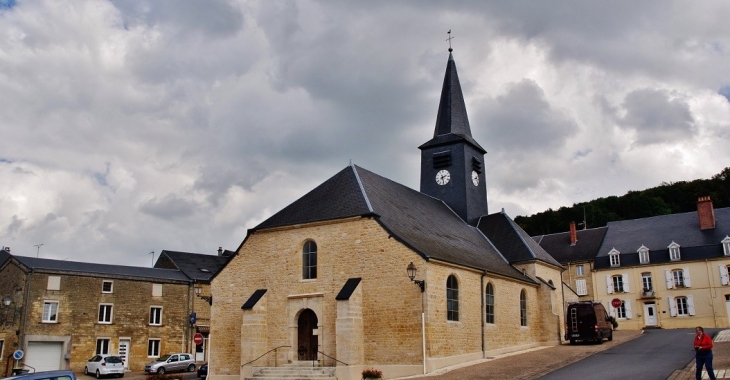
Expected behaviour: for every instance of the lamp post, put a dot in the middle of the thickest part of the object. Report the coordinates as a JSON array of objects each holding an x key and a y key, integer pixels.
[{"x": 412, "y": 270}]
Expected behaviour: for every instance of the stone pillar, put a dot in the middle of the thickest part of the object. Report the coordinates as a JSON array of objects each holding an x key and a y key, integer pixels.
[
  {"x": 254, "y": 341},
  {"x": 350, "y": 334}
]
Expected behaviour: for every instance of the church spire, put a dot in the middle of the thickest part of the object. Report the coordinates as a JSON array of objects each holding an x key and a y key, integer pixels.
[{"x": 452, "y": 116}]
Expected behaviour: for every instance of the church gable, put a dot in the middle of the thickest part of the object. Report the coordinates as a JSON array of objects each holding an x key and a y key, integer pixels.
[{"x": 514, "y": 243}]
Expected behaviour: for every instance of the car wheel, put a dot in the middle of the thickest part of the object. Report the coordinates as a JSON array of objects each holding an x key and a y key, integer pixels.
[
  {"x": 86, "y": 371},
  {"x": 191, "y": 368},
  {"x": 98, "y": 375},
  {"x": 610, "y": 336},
  {"x": 572, "y": 342},
  {"x": 161, "y": 370}
]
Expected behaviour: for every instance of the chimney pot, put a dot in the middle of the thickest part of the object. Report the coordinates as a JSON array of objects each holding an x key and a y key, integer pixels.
[
  {"x": 220, "y": 251},
  {"x": 573, "y": 234},
  {"x": 705, "y": 213}
]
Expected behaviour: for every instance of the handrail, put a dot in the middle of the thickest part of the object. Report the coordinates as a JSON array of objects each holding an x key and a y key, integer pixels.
[
  {"x": 273, "y": 349},
  {"x": 339, "y": 361}
]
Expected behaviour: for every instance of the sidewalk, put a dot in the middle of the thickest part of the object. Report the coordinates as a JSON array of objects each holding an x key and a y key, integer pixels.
[{"x": 720, "y": 360}]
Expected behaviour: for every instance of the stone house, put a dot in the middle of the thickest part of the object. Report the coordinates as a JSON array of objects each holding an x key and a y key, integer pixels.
[
  {"x": 199, "y": 268},
  {"x": 365, "y": 272},
  {"x": 64, "y": 312},
  {"x": 667, "y": 271}
]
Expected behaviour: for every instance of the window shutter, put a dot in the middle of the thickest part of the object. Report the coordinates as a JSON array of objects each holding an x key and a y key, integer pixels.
[
  {"x": 609, "y": 285},
  {"x": 723, "y": 275},
  {"x": 672, "y": 307},
  {"x": 691, "y": 305},
  {"x": 670, "y": 281},
  {"x": 611, "y": 310},
  {"x": 685, "y": 274},
  {"x": 627, "y": 307},
  {"x": 625, "y": 279}
]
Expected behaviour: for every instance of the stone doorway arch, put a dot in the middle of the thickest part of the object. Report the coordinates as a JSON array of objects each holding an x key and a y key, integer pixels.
[{"x": 307, "y": 340}]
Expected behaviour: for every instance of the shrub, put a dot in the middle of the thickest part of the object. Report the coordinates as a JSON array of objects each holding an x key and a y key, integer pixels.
[
  {"x": 613, "y": 321},
  {"x": 372, "y": 373}
]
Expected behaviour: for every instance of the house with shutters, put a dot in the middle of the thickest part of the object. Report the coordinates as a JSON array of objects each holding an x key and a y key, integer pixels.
[
  {"x": 365, "y": 272},
  {"x": 668, "y": 271}
]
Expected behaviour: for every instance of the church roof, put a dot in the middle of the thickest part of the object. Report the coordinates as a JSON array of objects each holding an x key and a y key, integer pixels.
[
  {"x": 585, "y": 249},
  {"x": 514, "y": 243},
  {"x": 423, "y": 223},
  {"x": 199, "y": 267},
  {"x": 452, "y": 122}
]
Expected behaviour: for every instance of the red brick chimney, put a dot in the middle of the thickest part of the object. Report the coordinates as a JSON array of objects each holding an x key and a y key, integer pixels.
[
  {"x": 573, "y": 234},
  {"x": 705, "y": 213}
]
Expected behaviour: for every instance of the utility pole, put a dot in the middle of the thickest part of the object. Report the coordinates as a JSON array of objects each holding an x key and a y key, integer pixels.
[{"x": 153, "y": 259}]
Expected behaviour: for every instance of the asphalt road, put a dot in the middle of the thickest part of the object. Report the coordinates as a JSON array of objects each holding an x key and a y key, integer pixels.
[{"x": 652, "y": 356}]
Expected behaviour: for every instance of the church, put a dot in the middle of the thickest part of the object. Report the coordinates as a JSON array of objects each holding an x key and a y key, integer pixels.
[{"x": 363, "y": 272}]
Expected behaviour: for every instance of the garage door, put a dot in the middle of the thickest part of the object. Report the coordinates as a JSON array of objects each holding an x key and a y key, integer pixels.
[{"x": 44, "y": 356}]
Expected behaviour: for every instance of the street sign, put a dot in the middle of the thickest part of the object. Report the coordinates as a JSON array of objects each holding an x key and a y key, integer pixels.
[
  {"x": 198, "y": 339},
  {"x": 18, "y": 354},
  {"x": 616, "y": 302},
  {"x": 193, "y": 318}
]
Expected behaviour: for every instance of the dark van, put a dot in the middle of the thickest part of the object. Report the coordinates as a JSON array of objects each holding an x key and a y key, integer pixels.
[{"x": 587, "y": 321}]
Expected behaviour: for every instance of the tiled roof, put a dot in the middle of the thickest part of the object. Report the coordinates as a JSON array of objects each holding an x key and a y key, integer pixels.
[
  {"x": 197, "y": 266},
  {"x": 514, "y": 243},
  {"x": 425, "y": 224},
  {"x": 585, "y": 249},
  {"x": 658, "y": 232},
  {"x": 75, "y": 267}
]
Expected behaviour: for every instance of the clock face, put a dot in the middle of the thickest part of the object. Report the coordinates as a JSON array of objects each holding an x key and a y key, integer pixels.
[
  {"x": 475, "y": 178},
  {"x": 443, "y": 177}
]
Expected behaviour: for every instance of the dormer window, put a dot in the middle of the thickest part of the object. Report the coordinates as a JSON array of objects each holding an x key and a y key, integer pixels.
[
  {"x": 674, "y": 252},
  {"x": 613, "y": 258},
  {"x": 726, "y": 245},
  {"x": 643, "y": 255}
]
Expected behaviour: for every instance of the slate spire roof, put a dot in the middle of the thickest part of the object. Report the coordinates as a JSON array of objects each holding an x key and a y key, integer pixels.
[
  {"x": 423, "y": 223},
  {"x": 452, "y": 122}
]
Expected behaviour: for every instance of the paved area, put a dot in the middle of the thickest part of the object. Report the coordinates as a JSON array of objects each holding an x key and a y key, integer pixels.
[{"x": 720, "y": 360}]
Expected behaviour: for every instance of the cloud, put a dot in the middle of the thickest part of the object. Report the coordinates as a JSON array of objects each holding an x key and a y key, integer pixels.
[{"x": 656, "y": 117}]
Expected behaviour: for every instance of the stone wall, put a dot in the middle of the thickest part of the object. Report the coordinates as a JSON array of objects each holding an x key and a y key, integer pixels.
[{"x": 12, "y": 284}]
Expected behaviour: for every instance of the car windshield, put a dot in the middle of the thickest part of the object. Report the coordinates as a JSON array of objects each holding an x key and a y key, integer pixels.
[
  {"x": 163, "y": 358},
  {"x": 113, "y": 359}
]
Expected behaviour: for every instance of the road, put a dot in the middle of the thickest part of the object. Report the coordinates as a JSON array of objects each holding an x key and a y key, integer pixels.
[{"x": 653, "y": 356}]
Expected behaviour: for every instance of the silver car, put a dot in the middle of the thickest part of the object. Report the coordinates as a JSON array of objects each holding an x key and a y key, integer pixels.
[{"x": 171, "y": 363}]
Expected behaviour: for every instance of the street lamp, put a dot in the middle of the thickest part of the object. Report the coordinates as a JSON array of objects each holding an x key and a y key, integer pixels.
[
  {"x": 7, "y": 300},
  {"x": 412, "y": 274}
]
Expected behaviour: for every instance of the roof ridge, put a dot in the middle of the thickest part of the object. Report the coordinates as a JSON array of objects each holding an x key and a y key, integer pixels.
[{"x": 362, "y": 189}]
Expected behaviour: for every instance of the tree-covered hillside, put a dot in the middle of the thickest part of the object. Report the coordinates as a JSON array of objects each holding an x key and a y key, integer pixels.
[{"x": 667, "y": 198}]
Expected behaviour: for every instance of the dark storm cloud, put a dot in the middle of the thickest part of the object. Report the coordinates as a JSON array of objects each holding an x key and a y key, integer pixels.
[
  {"x": 170, "y": 207},
  {"x": 523, "y": 120},
  {"x": 656, "y": 117}
]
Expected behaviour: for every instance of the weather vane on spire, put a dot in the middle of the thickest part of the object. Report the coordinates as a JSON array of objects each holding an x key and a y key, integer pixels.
[{"x": 449, "y": 39}]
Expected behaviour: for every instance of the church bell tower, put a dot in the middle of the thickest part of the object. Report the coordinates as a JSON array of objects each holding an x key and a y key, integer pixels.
[{"x": 452, "y": 162}]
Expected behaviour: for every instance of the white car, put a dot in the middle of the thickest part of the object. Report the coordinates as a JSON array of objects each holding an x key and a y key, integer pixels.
[{"x": 104, "y": 365}]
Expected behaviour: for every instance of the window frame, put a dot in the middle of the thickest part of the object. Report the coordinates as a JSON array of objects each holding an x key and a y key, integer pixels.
[
  {"x": 98, "y": 346},
  {"x": 685, "y": 306},
  {"x": 621, "y": 310},
  {"x": 646, "y": 279},
  {"x": 618, "y": 283},
  {"x": 152, "y": 345},
  {"x": 579, "y": 270},
  {"x": 452, "y": 298},
  {"x": 48, "y": 319},
  {"x": 489, "y": 303},
  {"x": 111, "y": 286},
  {"x": 309, "y": 260},
  {"x": 674, "y": 252},
  {"x": 54, "y": 283},
  {"x": 726, "y": 245},
  {"x": 614, "y": 258},
  {"x": 643, "y": 255},
  {"x": 105, "y": 317},
  {"x": 678, "y": 278},
  {"x": 523, "y": 308},
  {"x": 158, "y": 316}
]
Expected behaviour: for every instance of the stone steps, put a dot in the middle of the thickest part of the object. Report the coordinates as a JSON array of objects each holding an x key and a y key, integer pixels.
[{"x": 298, "y": 371}]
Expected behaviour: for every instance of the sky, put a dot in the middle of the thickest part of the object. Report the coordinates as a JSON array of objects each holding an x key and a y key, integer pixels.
[{"x": 130, "y": 127}]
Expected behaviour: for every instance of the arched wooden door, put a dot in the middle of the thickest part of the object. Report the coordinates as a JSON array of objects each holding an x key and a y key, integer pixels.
[{"x": 307, "y": 342}]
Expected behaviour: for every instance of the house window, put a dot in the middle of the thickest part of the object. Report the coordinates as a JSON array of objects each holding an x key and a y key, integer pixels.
[
  {"x": 156, "y": 290},
  {"x": 643, "y": 255},
  {"x": 54, "y": 283},
  {"x": 156, "y": 316},
  {"x": 105, "y": 313},
  {"x": 523, "y": 308},
  {"x": 726, "y": 245},
  {"x": 621, "y": 310},
  {"x": 678, "y": 278},
  {"x": 581, "y": 288},
  {"x": 579, "y": 270},
  {"x": 309, "y": 260},
  {"x": 646, "y": 282},
  {"x": 490, "y": 303},
  {"x": 452, "y": 299},
  {"x": 618, "y": 283},
  {"x": 153, "y": 348},
  {"x": 674, "y": 252},
  {"x": 613, "y": 258},
  {"x": 724, "y": 274},
  {"x": 107, "y": 286},
  {"x": 681, "y": 306},
  {"x": 102, "y": 346},
  {"x": 50, "y": 312}
]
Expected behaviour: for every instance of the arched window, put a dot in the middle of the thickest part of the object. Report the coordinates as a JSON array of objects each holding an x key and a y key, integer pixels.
[
  {"x": 309, "y": 260},
  {"x": 489, "y": 301},
  {"x": 523, "y": 308},
  {"x": 452, "y": 299}
]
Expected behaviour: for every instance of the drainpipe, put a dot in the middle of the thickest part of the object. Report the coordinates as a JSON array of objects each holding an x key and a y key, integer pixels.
[{"x": 712, "y": 298}]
